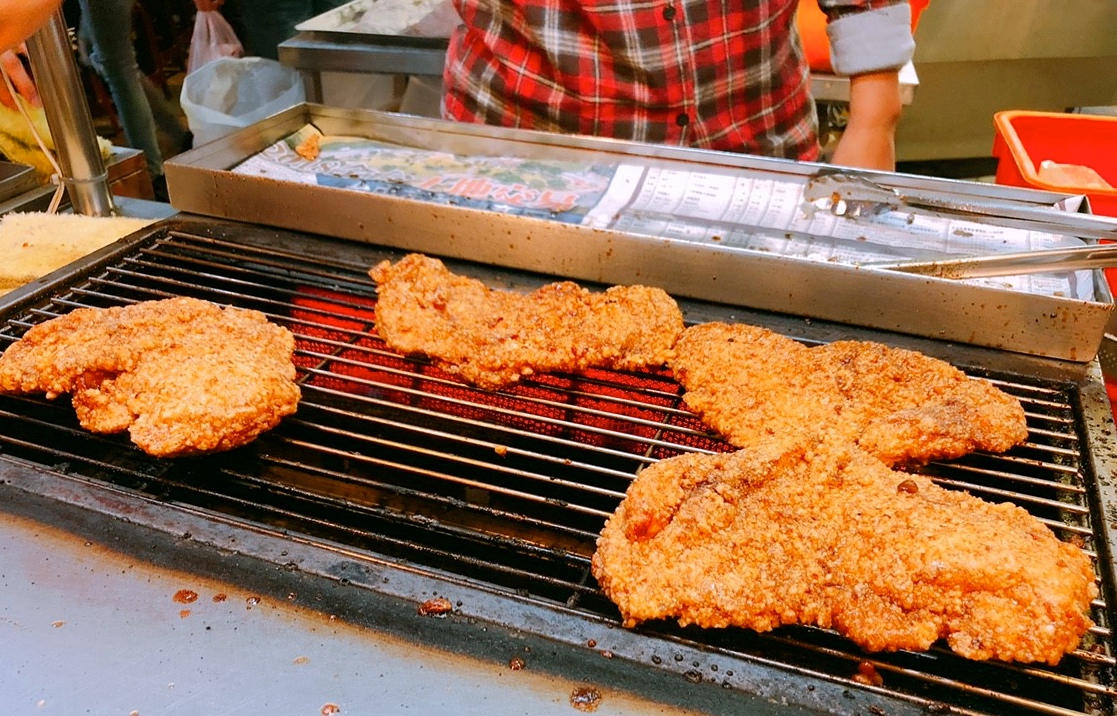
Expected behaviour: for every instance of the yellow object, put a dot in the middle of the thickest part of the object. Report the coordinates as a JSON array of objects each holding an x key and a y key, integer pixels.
[{"x": 18, "y": 144}]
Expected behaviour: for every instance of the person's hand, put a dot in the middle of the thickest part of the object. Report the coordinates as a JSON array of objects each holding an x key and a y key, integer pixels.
[
  {"x": 24, "y": 85},
  {"x": 208, "y": 5},
  {"x": 19, "y": 19},
  {"x": 869, "y": 139}
]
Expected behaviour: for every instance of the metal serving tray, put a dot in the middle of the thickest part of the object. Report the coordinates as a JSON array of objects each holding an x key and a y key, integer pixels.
[
  {"x": 201, "y": 182},
  {"x": 379, "y": 19},
  {"x": 16, "y": 179}
]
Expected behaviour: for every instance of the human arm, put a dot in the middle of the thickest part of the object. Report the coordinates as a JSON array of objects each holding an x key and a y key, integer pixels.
[
  {"x": 869, "y": 138},
  {"x": 21, "y": 82},
  {"x": 870, "y": 41},
  {"x": 19, "y": 19}
]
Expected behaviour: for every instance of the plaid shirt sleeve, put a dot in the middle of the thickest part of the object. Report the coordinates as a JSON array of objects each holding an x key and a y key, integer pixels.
[
  {"x": 715, "y": 74},
  {"x": 868, "y": 35}
]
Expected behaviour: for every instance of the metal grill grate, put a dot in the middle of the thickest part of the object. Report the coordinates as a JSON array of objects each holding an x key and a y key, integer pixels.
[{"x": 390, "y": 455}]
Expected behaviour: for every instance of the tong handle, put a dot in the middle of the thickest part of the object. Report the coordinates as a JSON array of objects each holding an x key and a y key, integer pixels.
[{"x": 1013, "y": 264}]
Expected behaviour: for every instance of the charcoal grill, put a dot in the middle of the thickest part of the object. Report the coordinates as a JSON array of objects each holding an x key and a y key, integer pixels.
[{"x": 395, "y": 482}]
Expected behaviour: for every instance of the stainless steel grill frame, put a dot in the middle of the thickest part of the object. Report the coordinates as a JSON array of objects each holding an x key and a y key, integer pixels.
[{"x": 394, "y": 480}]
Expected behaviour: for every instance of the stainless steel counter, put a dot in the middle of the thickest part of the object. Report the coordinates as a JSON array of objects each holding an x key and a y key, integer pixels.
[
  {"x": 128, "y": 181},
  {"x": 91, "y": 625},
  {"x": 316, "y": 53}
]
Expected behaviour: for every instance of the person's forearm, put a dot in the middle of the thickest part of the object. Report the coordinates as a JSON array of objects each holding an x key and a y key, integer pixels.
[
  {"x": 869, "y": 139},
  {"x": 21, "y": 82},
  {"x": 19, "y": 19}
]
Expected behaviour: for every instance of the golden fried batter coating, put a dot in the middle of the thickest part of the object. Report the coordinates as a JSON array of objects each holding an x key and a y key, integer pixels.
[
  {"x": 755, "y": 386},
  {"x": 491, "y": 338},
  {"x": 182, "y": 375},
  {"x": 830, "y": 536}
]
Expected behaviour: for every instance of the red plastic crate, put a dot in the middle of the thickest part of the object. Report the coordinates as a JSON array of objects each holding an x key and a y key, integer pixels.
[{"x": 1025, "y": 139}]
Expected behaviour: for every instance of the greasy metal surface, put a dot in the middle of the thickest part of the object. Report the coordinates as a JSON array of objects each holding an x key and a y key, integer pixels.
[
  {"x": 393, "y": 482},
  {"x": 15, "y": 179},
  {"x": 200, "y": 183},
  {"x": 108, "y": 615},
  {"x": 1035, "y": 54},
  {"x": 330, "y": 52},
  {"x": 38, "y": 197},
  {"x": 1107, "y": 356}
]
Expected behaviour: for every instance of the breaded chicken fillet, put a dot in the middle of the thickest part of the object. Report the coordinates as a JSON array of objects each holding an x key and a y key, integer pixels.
[
  {"x": 830, "y": 536},
  {"x": 491, "y": 338},
  {"x": 754, "y": 386},
  {"x": 183, "y": 376}
]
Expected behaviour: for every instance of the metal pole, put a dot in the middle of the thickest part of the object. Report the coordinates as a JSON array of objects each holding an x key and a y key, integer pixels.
[{"x": 71, "y": 124}]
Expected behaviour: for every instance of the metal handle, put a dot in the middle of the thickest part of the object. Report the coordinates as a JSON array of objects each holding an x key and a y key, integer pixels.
[
  {"x": 858, "y": 197},
  {"x": 1013, "y": 264}
]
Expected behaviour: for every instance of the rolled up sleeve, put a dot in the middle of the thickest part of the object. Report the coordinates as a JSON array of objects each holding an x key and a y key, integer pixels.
[{"x": 867, "y": 36}]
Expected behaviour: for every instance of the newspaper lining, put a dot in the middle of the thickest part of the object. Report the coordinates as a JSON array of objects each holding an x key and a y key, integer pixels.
[{"x": 740, "y": 210}]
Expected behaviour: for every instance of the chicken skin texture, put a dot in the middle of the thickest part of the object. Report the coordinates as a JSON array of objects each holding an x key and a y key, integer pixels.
[
  {"x": 754, "y": 386},
  {"x": 829, "y": 536},
  {"x": 183, "y": 376},
  {"x": 491, "y": 338}
]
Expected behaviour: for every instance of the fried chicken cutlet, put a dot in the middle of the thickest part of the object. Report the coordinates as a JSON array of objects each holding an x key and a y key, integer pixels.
[
  {"x": 182, "y": 375},
  {"x": 491, "y": 338},
  {"x": 830, "y": 536},
  {"x": 755, "y": 386}
]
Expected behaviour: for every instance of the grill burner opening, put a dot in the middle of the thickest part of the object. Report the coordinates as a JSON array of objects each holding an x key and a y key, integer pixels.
[{"x": 509, "y": 490}]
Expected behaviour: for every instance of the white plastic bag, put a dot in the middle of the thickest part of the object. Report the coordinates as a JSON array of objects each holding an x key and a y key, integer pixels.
[
  {"x": 230, "y": 93},
  {"x": 213, "y": 38}
]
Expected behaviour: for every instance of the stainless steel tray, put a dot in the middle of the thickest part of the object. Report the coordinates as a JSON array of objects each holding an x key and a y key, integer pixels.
[
  {"x": 200, "y": 182},
  {"x": 374, "y": 20},
  {"x": 16, "y": 179}
]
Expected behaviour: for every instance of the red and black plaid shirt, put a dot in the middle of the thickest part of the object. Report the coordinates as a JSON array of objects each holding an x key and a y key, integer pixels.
[{"x": 713, "y": 74}]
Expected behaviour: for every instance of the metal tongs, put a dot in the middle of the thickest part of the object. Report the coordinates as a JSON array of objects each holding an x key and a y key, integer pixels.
[
  {"x": 859, "y": 198},
  {"x": 1014, "y": 264}
]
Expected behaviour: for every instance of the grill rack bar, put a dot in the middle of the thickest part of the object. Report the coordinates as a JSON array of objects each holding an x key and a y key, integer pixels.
[{"x": 243, "y": 275}]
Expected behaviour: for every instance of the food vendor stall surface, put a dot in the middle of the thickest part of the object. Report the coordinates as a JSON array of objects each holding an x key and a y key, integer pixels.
[
  {"x": 712, "y": 226},
  {"x": 296, "y": 573},
  {"x": 382, "y": 39},
  {"x": 404, "y": 532}
]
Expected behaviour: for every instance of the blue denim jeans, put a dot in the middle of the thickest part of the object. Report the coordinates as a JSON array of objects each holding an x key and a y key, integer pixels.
[
  {"x": 269, "y": 22},
  {"x": 106, "y": 27}
]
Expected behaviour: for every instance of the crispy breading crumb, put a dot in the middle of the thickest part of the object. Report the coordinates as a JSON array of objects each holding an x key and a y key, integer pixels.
[
  {"x": 820, "y": 535},
  {"x": 182, "y": 375},
  {"x": 754, "y": 386},
  {"x": 310, "y": 147},
  {"x": 491, "y": 338}
]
